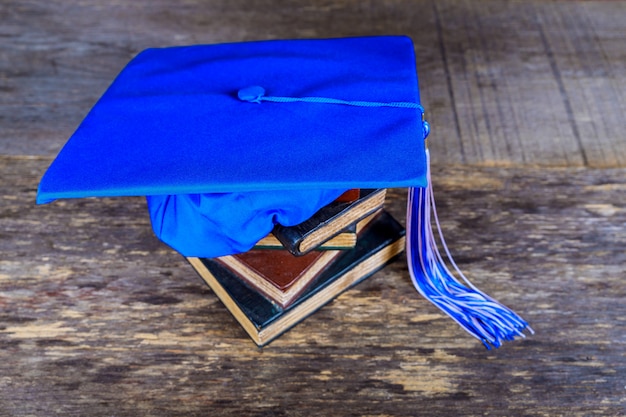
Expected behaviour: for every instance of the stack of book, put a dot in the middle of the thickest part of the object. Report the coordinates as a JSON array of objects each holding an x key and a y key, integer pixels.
[{"x": 296, "y": 270}]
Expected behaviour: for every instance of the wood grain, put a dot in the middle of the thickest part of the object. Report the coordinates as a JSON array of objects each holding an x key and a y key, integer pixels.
[
  {"x": 97, "y": 317},
  {"x": 504, "y": 82},
  {"x": 527, "y": 103}
]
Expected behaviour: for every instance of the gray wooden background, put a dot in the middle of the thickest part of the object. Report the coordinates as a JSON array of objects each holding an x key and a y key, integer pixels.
[{"x": 526, "y": 100}]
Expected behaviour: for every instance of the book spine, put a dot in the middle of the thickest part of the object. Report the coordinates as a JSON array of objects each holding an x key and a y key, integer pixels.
[{"x": 328, "y": 222}]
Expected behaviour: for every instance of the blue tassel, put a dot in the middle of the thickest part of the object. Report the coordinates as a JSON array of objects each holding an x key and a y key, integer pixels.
[{"x": 479, "y": 314}]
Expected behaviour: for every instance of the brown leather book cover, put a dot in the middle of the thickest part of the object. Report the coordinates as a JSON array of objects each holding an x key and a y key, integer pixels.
[
  {"x": 350, "y": 195},
  {"x": 278, "y": 274}
]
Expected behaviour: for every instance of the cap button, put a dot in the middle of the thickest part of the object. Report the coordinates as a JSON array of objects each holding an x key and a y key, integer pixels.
[{"x": 251, "y": 94}]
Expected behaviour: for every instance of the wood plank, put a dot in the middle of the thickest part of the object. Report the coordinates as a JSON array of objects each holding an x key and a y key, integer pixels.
[
  {"x": 99, "y": 318},
  {"x": 505, "y": 82},
  {"x": 589, "y": 65},
  {"x": 534, "y": 82}
]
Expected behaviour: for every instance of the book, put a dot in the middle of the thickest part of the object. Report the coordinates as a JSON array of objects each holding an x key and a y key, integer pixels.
[
  {"x": 346, "y": 239},
  {"x": 279, "y": 275},
  {"x": 329, "y": 221},
  {"x": 263, "y": 320},
  {"x": 350, "y": 195}
]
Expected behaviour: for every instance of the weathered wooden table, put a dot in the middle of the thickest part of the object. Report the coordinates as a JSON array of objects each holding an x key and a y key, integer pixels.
[{"x": 98, "y": 318}]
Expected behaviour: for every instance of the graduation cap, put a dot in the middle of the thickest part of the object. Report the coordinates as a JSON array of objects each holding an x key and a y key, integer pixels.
[{"x": 227, "y": 140}]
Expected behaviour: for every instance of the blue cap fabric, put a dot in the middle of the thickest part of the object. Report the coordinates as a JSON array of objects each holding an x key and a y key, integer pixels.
[{"x": 178, "y": 125}]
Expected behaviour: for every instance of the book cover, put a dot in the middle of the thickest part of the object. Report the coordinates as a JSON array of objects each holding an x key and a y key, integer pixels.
[
  {"x": 346, "y": 239},
  {"x": 350, "y": 195},
  {"x": 278, "y": 274},
  {"x": 264, "y": 320},
  {"x": 329, "y": 221}
]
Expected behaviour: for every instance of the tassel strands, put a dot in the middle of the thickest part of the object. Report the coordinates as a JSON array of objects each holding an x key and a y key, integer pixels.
[{"x": 479, "y": 314}]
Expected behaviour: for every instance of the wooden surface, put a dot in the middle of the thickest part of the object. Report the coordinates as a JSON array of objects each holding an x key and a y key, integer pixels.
[
  {"x": 527, "y": 102},
  {"x": 503, "y": 82}
]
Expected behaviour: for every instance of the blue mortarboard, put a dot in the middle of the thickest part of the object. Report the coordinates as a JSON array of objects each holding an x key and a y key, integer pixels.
[
  {"x": 227, "y": 140},
  {"x": 178, "y": 125}
]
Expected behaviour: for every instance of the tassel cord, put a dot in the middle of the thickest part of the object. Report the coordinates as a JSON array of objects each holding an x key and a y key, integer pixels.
[{"x": 476, "y": 312}]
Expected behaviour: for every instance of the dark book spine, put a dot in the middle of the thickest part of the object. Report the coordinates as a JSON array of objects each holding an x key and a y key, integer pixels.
[{"x": 292, "y": 237}]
